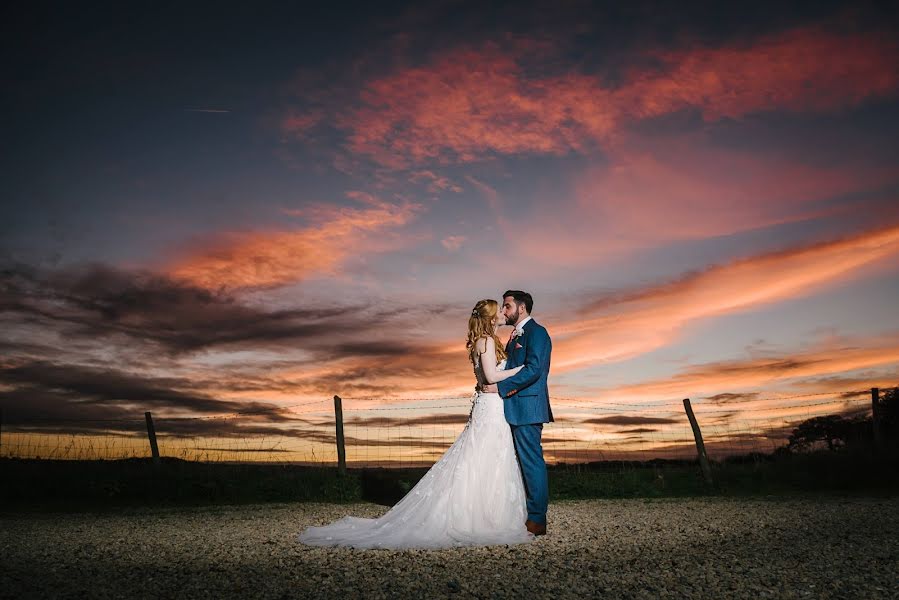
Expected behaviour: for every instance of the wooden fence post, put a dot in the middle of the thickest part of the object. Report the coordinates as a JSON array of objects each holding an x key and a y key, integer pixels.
[
  {"x": 341, "y": 448},
  {"x": 876, "y": 422},
  {"x": 151, "y": 433},
  {"x": 700, "y": 447}
]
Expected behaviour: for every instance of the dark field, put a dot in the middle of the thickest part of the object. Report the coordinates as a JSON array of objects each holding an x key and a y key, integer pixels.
[{"x": 46, "y": 484}]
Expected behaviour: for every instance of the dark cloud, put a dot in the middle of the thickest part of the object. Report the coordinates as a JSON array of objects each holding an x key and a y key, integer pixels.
[
  {"x": 437, "y": 419},
  {"x": 731, "y": 397},
  {"x": 244, "y": 427},
  {"x": 399, "y": 442},
  {"x": 552, "y": 439},
  {"x": 88, "y": 385},
  {"x": 855, "y": 412},
  {"x": 377, "y": 348},
  {"x": 374, "y": 376},
  {"x": 96, "y": 301},
  {"x": 715, "y": 418},
  {"x": 630, "y": 420},
  {"x": 63, "y": 391},
  {"x": 242, "y": 450},
  {"x": 773, "y": 433},
  {"x": 117, "y": 323},
  {"x": 855, "y": 394},
  {"x": 609, "y": 453},
  {"x": 236, "y": 428},
  {"x": 638, "y": 430}
]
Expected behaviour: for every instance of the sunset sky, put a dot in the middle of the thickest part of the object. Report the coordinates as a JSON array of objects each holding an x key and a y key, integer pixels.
[{"x": 208, "y": 211}]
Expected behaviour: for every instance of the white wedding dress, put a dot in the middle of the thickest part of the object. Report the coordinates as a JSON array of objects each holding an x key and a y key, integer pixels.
[{"x": 472, "y": 496}]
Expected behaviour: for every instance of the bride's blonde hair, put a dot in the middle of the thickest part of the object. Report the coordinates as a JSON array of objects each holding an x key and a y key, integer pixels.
[{"x": 480, "y": 325}]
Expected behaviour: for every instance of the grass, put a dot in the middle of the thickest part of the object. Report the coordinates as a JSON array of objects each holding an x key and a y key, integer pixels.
[
  {"x": 39, "y": 484},
  {"x": 78, "y": 485}
]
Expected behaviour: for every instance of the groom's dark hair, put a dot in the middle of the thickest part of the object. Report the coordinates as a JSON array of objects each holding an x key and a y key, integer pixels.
[{"x": 520, "y": 297}]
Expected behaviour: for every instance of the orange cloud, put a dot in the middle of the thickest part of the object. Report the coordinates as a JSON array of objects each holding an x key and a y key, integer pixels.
[
  {"x": 421, "y": 373},
  {"x": 470, "y": 103},
  {"x": 753, "y": 373},
  {"x": 622, "y": 326},
  {"x": 625, "y": 325},
  {"x": 274, "y": 258}
]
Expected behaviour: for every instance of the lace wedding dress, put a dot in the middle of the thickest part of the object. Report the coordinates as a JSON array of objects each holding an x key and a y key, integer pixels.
[{"x": 472, "y": 496}]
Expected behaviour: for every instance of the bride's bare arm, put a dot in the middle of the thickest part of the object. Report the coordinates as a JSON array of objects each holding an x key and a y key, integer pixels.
[{"x": 488, "y": 362}]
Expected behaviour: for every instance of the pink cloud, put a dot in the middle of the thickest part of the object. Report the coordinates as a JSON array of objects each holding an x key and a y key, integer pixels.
[
  {"x": 650, "y": 193},
  {"x": 804, "y": 69},
  {"x": 690, "y": 191},
  {"x": 298, "y": 123},
  {"x": 435, "y": 183},
  {"x": 468, "y": 104},
  {"x": 459, "y": 108},
  {"x": 453, "y": 242}
]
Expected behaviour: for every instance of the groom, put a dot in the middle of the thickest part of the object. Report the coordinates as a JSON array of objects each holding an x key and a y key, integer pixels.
[{"x": 526, "y": 400}]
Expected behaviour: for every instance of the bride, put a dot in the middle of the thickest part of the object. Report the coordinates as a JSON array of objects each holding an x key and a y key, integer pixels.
[{"x": 474, "y": 494}]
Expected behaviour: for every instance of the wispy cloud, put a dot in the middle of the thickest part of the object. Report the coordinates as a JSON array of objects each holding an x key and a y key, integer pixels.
[
  {"x": 281, "y": 257},
  {"x": 622, "y": 325},
  {"x": 68, "y": 391},
  {"x": 453, "y": 242},
  {"x": 651, "y": 193},
  {"x": 427, "y": 420},
  {"x": 96, "y": 302},
  {"x": 806, "y": 69},
  {"x": 436, "y": 183},
  {"x": 629, "y": 420},
  {"x": 423, "y": 370},
  {"x": 829, "y": 359}
]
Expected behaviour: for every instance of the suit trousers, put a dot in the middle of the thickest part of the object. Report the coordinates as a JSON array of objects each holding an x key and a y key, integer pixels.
[{"x": 533, "y": 469}]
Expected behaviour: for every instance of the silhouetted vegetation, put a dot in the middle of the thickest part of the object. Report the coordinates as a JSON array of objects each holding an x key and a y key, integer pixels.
[
  {"x": 66, "y": 484},
  {"x": 87, "y": 485},
  {"x": 889, "y": 403},
  {"x": 835, "y": 432}
]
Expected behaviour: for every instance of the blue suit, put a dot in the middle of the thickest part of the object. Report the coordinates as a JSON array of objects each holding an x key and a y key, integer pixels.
[{"x": 526, "y": 406}]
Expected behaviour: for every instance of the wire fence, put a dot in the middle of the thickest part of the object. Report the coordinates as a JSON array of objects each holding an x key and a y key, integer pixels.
[{"x": 414, "y": 432}]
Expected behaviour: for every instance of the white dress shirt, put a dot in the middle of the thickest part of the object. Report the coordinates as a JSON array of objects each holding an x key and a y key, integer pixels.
[{"x": 519, "y": 329}]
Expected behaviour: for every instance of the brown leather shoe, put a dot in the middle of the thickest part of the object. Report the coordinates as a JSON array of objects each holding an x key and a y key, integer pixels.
[{"x": 535, "y": 528}]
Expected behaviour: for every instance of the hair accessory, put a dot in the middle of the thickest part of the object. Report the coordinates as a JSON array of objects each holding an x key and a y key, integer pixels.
[{"x": 474, "y": 312}]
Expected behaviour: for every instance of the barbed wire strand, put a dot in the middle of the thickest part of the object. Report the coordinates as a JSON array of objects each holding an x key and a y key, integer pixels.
[{"x": 741, "y": 433}]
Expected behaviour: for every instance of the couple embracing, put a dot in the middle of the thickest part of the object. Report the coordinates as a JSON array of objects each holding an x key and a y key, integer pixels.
[{"x": 490, "y": 487}]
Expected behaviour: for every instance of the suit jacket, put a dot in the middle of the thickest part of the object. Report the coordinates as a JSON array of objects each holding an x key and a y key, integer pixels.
[{"x": 526, "y": 394}]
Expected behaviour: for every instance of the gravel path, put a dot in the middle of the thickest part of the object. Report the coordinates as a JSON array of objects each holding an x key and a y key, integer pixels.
[{"x": 671, "y": 548}]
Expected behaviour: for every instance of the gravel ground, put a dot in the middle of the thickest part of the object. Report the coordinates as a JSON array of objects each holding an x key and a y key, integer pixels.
[{"x": 672, "y": 548}]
